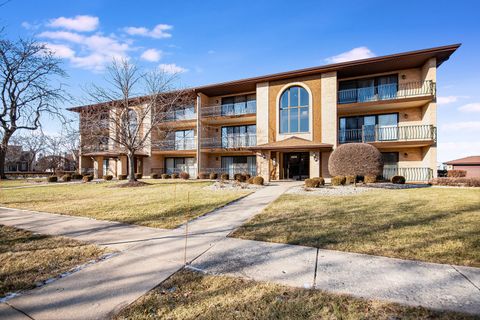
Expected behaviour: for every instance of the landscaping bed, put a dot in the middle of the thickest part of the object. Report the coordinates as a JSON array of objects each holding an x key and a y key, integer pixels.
[
  {"x": 429, "y": 224},
  {"x": 28, "y": 259},
  {"x": 191, "y": 295},
  {"x": 159, "y": 204}
]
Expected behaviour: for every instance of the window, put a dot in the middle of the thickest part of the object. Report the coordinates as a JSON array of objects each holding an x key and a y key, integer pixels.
[
  {"x": 182, "y": 113},
  {"x": 240, "y": 164},
  {"x": 132, "y": 121},
  {"x": 369, "y": 128},
  {"x": 105, "y": 166},
  {"x": 238, "y": 105},
  {"x": 180, "y": 164},
  {"x": 370, "y": 89},
  {"x": 294, "y": 110},
  {"x": 184, "y": 140},
  {"x": 239, "y": 136}
]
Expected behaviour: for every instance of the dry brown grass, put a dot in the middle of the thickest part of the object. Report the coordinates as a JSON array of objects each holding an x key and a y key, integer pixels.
[
  {"x": 28, "y": 258},
  {"x": 190, "y": 295},
  {"x": 430, "y": 224}
]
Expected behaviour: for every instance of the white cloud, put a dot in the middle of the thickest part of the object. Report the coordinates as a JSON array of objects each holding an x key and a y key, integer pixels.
[
  {"x": 160, "y": 31},
  {"x": 354, "y": 54},
  {"x": 172, "y": 68},
  {"x": 60, "y": 50},
  {"x": 462, "y": 125},
  {"x": 447, "y": 99},
  {"x": 29, "y": 26},
  {"x": 454, "y": 150},
  {"x": 63, "y": 35},
  {"x": 470, "y": 107},
  {"x": 78, "y": 23},
  {"x": 152, "y": 55}
]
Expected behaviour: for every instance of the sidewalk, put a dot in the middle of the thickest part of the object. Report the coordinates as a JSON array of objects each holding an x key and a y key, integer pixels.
[{"x": 147, "y": 257}]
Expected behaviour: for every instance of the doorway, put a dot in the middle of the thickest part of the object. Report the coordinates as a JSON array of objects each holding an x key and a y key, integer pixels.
[{"x": 296, "y": 165}]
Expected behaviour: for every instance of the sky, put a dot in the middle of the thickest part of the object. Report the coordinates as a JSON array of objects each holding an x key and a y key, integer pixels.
[{"x": 214, "y": 41}]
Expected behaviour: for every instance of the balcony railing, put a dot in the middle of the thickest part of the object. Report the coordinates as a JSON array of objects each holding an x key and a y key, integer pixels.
[
  {"x": 387, "y": 92},
  {"x": 177, "y": 115},
  {"x": 388, "y": 133},
  {"x": 180, "y": 144},
  {"x": 231, "y": 141},
  {"x": 228, "y": 110},
  {"x": 410, "y": 174},
  {"x": 237, "y": 168},
  {"x": 95, "y": 148}
]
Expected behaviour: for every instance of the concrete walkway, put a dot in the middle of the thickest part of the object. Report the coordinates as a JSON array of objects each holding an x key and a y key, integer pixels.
[{"x": 147, "y": 257}]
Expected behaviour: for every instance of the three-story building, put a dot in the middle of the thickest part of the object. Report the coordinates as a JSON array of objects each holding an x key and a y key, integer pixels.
[{"x": 285, "y": 125}]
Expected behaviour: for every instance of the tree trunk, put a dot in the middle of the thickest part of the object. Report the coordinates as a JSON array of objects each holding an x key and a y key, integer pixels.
[
  {"x": 131, "y": 167},
  {"x": 3, "y": 154}
]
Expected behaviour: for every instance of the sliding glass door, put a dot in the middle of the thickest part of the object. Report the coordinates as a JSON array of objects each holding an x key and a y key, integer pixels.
[{"x": 239, "y": 164}]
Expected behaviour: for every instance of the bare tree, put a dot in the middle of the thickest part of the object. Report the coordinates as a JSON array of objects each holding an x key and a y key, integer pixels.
[
  {"x": 134, "y": 105},
  {"x": 27, "y": 73},
  {"x": 33, "y": 143}
]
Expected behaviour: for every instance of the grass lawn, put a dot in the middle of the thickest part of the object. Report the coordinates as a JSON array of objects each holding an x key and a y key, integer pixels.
[
  {"x": 161, "y": 205},
  {"x": 190, "y": 295},
  {"x": 430, "y": 224},
  {"x": 20, "y": 182},
  {"x": 28, "y": 258}
]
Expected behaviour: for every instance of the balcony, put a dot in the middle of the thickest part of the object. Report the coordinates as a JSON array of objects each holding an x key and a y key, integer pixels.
[
  {"x": 175, "y": 145},
  {"x": 422, "y": 174},
  {"x": 178, "y": 115},
  {"x": 231, "y": 141},
  {"x": 373, "y": 134},
  {"x": 387, "y": 92},
  {"x": 226, "y": 110}
]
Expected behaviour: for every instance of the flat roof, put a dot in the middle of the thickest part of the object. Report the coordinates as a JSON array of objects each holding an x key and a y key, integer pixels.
[{"x": 404, "y": 60}]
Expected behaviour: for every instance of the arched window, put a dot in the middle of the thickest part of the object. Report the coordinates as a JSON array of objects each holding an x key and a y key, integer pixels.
[
  {"x": 132, "y": 121},
  {"x": 294, "y": 105}
]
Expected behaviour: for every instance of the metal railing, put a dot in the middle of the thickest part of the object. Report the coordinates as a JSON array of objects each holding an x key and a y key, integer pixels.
[
  {"x": 95, "y": 148},
  {"x": 240, "y": 168},
  {"x": 410, "y": 174},
  {"x": 227, "y": 110},
  {"x": 387, "y": 92},
  {"x": 230, "y": 141},
  {"x": 388, "y": 133},
  {"x": 176, "y": 115},
  {"x": 180, "y": 144},
  {"x": 192, "y": 170}
]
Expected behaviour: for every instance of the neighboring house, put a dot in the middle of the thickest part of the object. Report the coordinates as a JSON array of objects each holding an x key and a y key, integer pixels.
[
  {"x": 54, "y": 163},
  {"x": 18, "y": 160},
  {"x": 285, "y": 125},
  {"x": 470, "y": 164}
]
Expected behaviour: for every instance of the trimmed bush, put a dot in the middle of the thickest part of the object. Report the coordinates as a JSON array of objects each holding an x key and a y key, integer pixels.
[
  {"x": 203, "y": 175},
  {"x": 350, "y": 179},
  {"x": 154, "y": 176},
  {"x": 338, "y": 180},
  {"x": 240, "y": 177},
  {"x": 107, "y": 177},
  {"x": 250, "y": 180},
  {"x": 165, "y": 176},
  {"x": 355, "y": 159},
  {"x": 77, "y": 176},
  {"x": 174, "y": 175},
  {"x": 184, "y": 175},
  {"x": 456, "y": 182},
  {"x": 224, "y": 176},
  {"x": 122, "y": 177},
  {"x": 398, "y": 180},
  {"x": 66, "y": 177},
  {"x": 370, "y": 179},
  {"x": 247, "y": 176},
  {"x": 87, "y": 178},
  {"x": 138, "y": 175},
  {"x": 52, "y": 179},
  {"x": 213, "y": 176},
  {"x": 258, "y": 180},
  {"x": 311, "y": 183},
  {"x": 456, "y": 173}
]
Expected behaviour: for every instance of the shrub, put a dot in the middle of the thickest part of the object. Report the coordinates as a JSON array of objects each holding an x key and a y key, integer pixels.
[
  {"x": 258, "y": 181},
  {"x": 174, "y": 175},
  {"x": 247, "y": 176},
  {"x": 311, "y": 183},
  {"x": 456, "y": 173},
  {"x": 77, "y": 176},
  {"x": 122, "y": 177},
  {"x": 224, "y": 176},
  {"x": 52, "y": 179},
  {"x": 138, "y": 175},
  {"x": 355, "y": 159},
  {"x": 398, "y": 180},
  {"x": 213, "y": 176},
  {"x": 350, "y": 179},
  {"x": 338, "y": 180},
  {"x": 184, "y": 175},
  {"x": 240, "y": 177},
  {"x": 107, "y": 177},
  {"x": 250, "y": 180},
  {"x": 87, "y": 178},
  {"x": 321, "y": 181},
  {"x": 203, "y": 175},
  {"x": 370, "y": 179},
  {"x": 66, "y": 177},
  {"x": 456, "y": 182},
  {"x": 165, "y": 176},
  {"x": 153, "y": 175}
]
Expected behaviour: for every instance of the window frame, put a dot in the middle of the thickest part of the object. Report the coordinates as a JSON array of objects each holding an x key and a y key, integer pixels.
[{"x": 294, "y": 110}]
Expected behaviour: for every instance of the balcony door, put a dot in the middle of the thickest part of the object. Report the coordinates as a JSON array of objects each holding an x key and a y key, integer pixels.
[{"x": 387, "y": 127}]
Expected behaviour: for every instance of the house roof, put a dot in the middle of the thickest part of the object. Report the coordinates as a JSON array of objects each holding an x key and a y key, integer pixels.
[
  {"x": 466, "y": 160},
  {"x": 405, "y": 60},
  {"x": 292, "y": 143}
]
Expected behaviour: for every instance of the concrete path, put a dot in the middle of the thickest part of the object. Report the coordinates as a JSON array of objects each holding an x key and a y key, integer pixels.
[
  {"x": 436, "y": 286},
  {"x": 147, "y": 257}
]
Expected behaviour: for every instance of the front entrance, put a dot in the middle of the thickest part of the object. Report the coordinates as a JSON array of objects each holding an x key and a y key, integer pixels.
[{"x": 296, "y": 165}]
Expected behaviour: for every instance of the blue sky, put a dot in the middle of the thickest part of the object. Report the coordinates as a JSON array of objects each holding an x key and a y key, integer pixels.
[{"x": 214, "y": 41}]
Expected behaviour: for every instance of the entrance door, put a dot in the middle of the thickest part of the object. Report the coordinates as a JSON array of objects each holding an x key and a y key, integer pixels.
[{"x": 296, "y": 165}]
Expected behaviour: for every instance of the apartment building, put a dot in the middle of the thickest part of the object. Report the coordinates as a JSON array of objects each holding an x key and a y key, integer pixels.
[{"x": 285, "y": 125}]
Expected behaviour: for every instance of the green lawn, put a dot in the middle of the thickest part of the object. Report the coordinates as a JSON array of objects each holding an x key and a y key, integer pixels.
[
  {"x": 430, "y": 224},
  {"x": 190, "y": 295},
  {"x": 161, "y": 204},
  {"x": 28, "y": 258}
]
